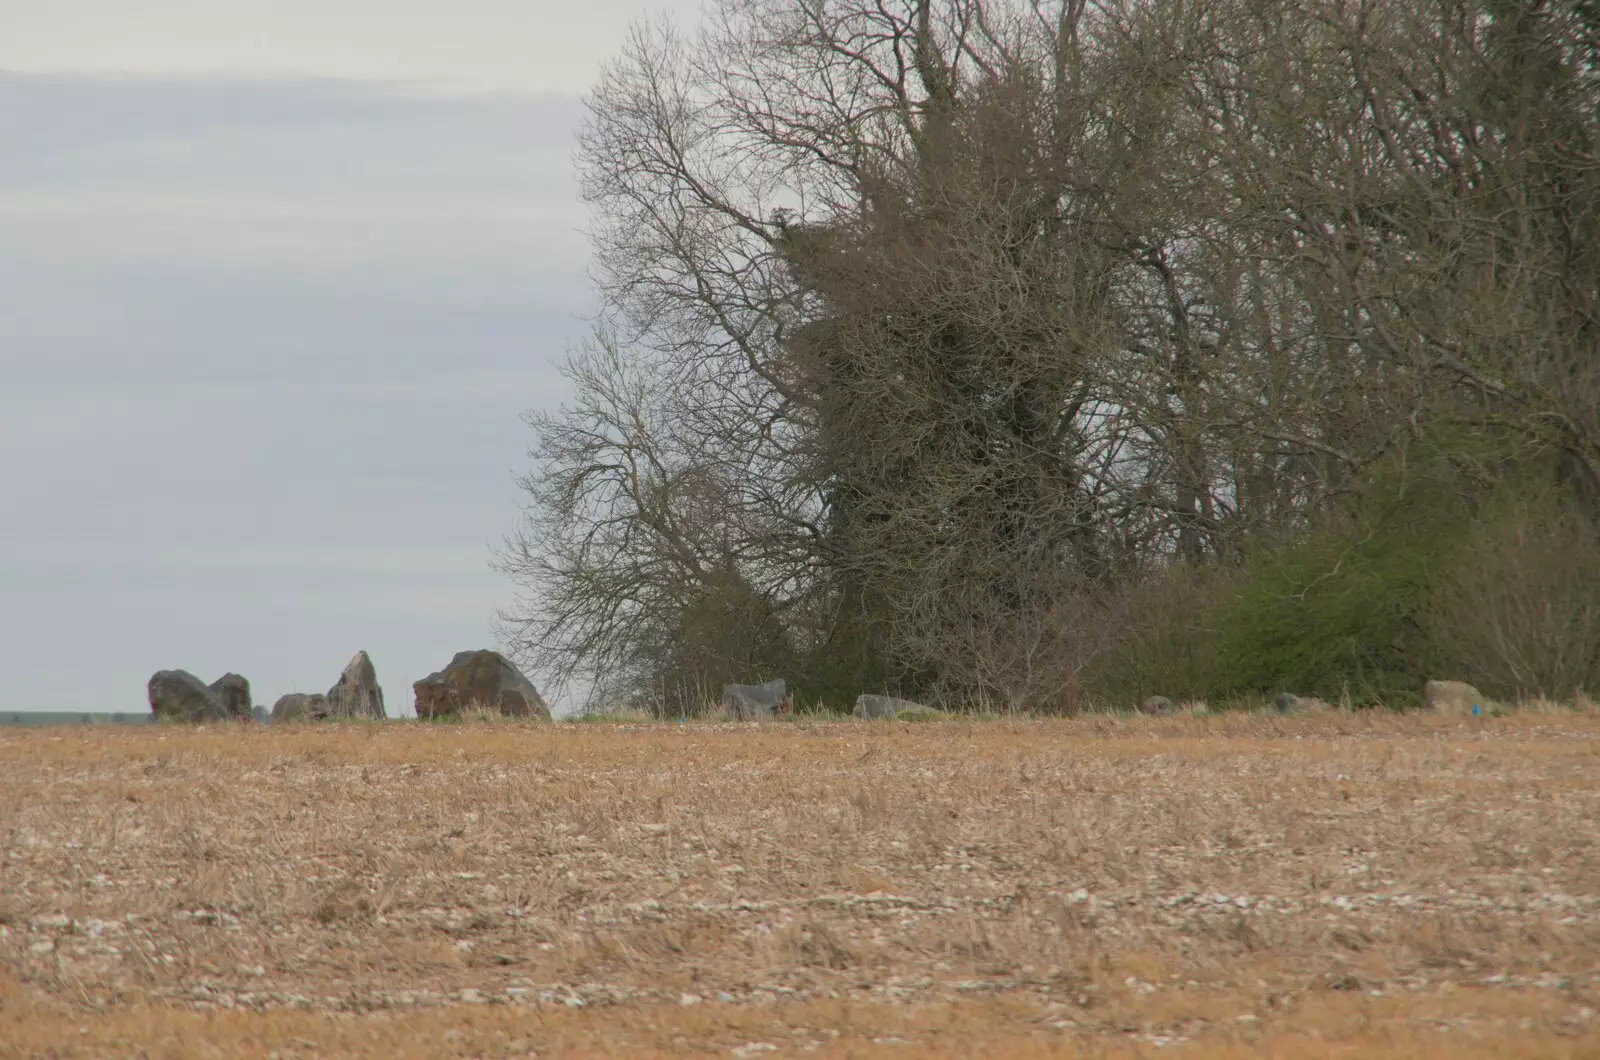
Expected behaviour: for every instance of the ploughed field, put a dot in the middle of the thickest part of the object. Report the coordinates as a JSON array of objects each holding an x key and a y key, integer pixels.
[{"x": 1330, "y": 885}]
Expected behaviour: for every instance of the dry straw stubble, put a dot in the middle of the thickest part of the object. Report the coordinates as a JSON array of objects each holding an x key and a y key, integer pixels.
[{"x": 1327, "y": 886}]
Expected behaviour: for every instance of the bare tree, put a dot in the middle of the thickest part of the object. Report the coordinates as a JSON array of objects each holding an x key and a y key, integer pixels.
[
  {"x": 1521, "y": 616},
  {"x": 932, "y": 324}
]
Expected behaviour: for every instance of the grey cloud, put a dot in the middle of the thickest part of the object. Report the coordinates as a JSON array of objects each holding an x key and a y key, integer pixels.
[
  {"x": 544, "y": 44},
  {"x": 53, "y": 123}
]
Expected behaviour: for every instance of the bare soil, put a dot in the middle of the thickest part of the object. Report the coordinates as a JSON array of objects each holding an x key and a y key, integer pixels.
[{"x": 1335, "y": 885}]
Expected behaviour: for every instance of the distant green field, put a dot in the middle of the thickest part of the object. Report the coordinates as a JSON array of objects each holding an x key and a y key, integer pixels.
[{"x": 70, "y": 717}]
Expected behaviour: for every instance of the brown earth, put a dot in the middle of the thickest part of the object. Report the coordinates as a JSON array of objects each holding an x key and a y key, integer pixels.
[{"x": 1325, "y": 886}]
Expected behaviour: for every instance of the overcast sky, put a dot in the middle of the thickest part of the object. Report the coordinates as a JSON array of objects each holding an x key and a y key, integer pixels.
[{"x": 277, "y": 279}]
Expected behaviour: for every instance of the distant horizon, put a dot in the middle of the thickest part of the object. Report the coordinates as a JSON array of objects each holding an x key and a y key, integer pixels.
[{"x": 278, "y": 286}]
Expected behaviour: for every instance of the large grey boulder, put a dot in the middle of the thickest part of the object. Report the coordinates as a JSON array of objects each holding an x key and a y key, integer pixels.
[
  {"x": 754, "y": 702},
  {"x": 234, "y": 692},
  {"x": 1157, "y": 705},
  {"x": 479, "y": 679},
  {"x": 1453, "y": 697},
  {"x": 356, "y": 694},
  {"x": 875, "y": 708},
  {"x": 300, "y": 706},
  {"x": 177, "y": 695}
]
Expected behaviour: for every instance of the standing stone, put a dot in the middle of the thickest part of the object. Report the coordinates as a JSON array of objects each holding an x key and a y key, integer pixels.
[
  {"x": 871, "y": 707},
  {"x": 754, "y": 702},
  {"x": 356, "y": 694},
  {"x": 177, "y": 695},
  {"x": 484, "y": 679},
  {"x": 1454, "y": 697},
  {"x": 234, "y": 691},
  {"x": 299, "y": 706}
]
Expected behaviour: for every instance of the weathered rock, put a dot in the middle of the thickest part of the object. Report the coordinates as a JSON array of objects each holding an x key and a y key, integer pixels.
[
  {"x": 234, "y": 692},
  {"x": 356, "y": 694},
  {"x": 755, "y": 702},
  {"x": 1452, "y": 697},
  {"x": 300, "y": 706},
  {"x": 875, "y": 708},
  {"x": 479, "y": 679},
  {"x": 177, "y": 695},
  {"x": 1157, "y": 705},
  {"x": 260, "y": 714}
]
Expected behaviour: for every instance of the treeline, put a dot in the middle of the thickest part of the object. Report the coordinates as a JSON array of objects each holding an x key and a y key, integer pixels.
[{"x": 1039, "y": 355}]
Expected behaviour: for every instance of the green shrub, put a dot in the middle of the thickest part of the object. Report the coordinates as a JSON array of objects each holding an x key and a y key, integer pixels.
[
  {"x": 1339, "y": 614},
  {"x": 1331, "y": 619}
]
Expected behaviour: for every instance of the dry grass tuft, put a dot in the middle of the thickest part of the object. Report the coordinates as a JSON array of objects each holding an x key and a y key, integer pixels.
[
  {"x": 615, "y": 717},
  {"x": 1328, "y": 885}
]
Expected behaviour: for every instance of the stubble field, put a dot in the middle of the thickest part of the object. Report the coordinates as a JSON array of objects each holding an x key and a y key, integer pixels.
[{"x": 1328, "y": 886}]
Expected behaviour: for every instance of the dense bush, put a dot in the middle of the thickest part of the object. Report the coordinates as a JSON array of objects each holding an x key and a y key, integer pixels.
[
  {"x": 1520, "y": 615},
  {"x": 1167, "y": 636},
  {"x": 1337, "y": 618}
]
